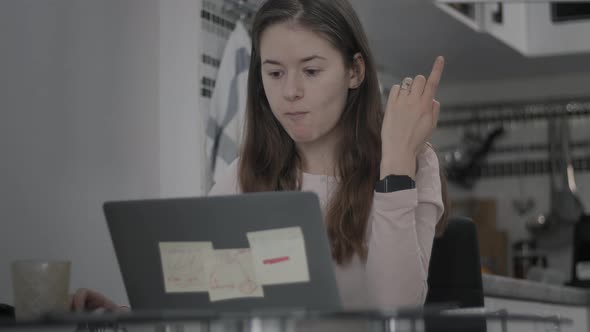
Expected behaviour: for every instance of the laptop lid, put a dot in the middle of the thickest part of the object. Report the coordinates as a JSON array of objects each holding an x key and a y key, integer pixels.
[{"x": 139, "y": 228}]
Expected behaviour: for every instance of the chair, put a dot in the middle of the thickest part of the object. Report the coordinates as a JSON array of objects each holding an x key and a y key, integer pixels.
[
  {"x": 454, "y": 274},
  {"x": 6, "y": 311}
]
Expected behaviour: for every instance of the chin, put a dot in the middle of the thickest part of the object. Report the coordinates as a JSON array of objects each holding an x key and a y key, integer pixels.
[{"x": 302, "y": 138}]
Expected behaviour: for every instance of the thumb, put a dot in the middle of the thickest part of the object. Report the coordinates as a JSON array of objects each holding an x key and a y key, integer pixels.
[{"x": 435, "y": 112}]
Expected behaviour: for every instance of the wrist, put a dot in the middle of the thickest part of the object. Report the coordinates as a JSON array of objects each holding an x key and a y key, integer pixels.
[{"x": 398, "y": 164}]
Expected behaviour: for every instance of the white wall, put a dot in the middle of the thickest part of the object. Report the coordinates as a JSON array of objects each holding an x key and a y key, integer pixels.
[
  {"x": 182, "y": 131},
  {"x": 97, "y": 103}
]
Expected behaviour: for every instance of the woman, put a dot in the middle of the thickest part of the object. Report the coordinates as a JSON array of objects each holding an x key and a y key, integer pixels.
[{"x": 314, "y": 122}]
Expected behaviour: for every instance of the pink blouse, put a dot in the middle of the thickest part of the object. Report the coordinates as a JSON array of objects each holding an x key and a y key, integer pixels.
[{"x": 399, "y": 238}]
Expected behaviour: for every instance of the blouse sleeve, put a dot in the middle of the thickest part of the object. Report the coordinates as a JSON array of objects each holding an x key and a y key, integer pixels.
[{"x": 400, "y": 239}]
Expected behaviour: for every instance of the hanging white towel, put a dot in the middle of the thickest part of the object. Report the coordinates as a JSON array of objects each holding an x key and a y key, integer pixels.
[{"x": 228, "y": 103}]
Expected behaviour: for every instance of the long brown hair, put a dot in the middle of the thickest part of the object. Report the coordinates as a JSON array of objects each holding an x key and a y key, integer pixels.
[{"x": 269, "y": 158}]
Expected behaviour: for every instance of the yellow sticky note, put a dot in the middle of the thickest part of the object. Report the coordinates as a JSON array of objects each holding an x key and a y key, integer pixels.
[
  {"x": 231, "y": 275},
  {"x": 183, "y": 265},
  {"x": 279, "y": 256}
]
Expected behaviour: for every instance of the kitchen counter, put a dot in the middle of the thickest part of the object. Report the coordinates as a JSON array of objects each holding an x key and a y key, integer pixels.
[{"x": 526, "y": 290}]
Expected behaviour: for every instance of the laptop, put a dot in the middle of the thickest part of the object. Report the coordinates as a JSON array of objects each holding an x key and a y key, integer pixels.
[{"x": 146, "y": 233}]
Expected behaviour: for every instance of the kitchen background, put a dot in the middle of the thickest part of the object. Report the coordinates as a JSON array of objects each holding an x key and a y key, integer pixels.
[
  {"x": 106, "y": 100},
  {"x": 509, "y": 77}
]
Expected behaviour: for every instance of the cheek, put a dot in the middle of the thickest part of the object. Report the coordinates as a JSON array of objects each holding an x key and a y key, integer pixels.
[
  {"x": 270, "y": 92},
  {"x": 332, "y": 102},
  {"x": 271, "y": 88}
]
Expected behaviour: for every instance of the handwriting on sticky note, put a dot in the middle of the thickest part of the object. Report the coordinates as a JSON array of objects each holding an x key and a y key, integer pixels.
[
  {"x": 231, "y": 275},
  {"x": 276, "y": 260},
  {"x": 183, "y": 265},
  {"x": 279, "y": 256}
]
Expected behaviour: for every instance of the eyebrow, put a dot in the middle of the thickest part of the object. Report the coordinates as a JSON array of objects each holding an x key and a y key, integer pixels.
[{"x": 307, "y": 59}]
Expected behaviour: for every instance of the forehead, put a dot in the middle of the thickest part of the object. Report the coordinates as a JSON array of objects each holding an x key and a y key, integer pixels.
[{"x": 291, "y": 42}]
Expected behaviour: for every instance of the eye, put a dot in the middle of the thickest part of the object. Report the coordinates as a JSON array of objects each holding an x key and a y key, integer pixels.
[
  {"x": 275, "y": 74},
  {"x": 312, "y": 72}
]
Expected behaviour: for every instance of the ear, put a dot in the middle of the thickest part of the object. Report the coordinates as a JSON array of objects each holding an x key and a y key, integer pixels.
[{"x": 357, "y": 71}]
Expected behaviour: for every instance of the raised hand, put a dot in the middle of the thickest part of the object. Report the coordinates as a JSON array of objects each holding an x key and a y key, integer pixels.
[{"x": 410, "y": 118}]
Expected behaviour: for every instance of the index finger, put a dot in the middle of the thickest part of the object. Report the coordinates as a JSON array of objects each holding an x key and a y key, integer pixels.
[{"x": 434, "y": 78}]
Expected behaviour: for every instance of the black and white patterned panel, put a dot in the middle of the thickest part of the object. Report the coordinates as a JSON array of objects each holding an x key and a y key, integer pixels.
[{"x": 216, "y": 27}]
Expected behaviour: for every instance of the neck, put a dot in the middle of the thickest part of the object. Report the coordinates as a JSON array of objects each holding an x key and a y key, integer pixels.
[{"x": 319, "y": 157}]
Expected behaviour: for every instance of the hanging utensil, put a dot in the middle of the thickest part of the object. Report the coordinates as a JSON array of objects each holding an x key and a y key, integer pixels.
[
  {"x": 464, "y": 164},
  {"x": 554, "y": 228}
]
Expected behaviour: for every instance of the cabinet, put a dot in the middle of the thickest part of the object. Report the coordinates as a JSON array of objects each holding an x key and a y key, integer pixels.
[{"x": 533, "y": 27}]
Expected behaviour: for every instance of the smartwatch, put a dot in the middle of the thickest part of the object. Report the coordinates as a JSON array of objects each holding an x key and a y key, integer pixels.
[{"x": 393, "y": 183}]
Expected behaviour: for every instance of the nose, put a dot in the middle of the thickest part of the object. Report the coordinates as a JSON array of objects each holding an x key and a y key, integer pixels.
[{"x": 293, "y": 87}]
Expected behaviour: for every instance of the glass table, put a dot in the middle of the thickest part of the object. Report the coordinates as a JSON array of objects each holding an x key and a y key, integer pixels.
[{"x": 410, "y": 320}]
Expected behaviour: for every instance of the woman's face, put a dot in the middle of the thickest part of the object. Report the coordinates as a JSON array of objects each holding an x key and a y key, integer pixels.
[{"x": 305, "y": 80}]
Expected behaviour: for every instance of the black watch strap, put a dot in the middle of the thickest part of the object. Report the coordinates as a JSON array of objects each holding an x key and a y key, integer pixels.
[{"x": 393, "y": 183}]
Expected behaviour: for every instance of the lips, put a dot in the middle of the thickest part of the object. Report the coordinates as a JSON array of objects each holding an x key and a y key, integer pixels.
[{"x": 296, "y": 115}]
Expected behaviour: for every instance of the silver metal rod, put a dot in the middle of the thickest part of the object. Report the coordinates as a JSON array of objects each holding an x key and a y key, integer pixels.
[{"x": 505, "y": 1}]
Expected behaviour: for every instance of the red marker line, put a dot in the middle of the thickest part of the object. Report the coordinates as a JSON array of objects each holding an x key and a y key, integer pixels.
[{"x": 276, "y": 260}]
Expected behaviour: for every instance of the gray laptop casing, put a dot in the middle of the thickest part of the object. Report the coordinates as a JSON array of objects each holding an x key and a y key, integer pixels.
[{"x": 137, "y": 227}]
